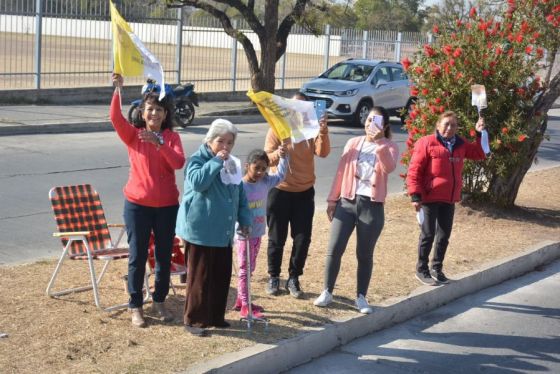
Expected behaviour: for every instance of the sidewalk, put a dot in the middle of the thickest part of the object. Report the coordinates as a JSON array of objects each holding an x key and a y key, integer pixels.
[
  {"x": 48, "y": 119},
  {"x": 44, "y": 119},
  {"x": 287, "y": 354}
]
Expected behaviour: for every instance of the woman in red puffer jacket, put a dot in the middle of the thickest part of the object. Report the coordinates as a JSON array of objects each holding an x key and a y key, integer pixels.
[{"x": 434, "y": 183}]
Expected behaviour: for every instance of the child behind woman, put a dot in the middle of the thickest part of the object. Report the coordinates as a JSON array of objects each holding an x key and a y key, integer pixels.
[{"x": 256, "y": 183}]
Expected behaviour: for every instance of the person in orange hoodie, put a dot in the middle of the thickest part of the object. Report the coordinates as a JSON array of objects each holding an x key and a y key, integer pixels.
[
  {"x": 356, "y": 200},
  {"x": 292, "y": 203}
]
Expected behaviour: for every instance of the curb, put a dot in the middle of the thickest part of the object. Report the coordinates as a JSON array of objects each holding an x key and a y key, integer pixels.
[
  {"x": 274, "y": 358},
  {"x": 243, "y": 115}
]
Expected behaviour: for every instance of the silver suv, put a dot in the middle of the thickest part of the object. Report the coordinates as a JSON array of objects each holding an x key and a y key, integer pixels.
[{"x": 352, "y": 87}]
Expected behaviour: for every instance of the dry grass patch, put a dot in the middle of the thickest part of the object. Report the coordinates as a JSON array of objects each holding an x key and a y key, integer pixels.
[{"x": 70, "y": 335}]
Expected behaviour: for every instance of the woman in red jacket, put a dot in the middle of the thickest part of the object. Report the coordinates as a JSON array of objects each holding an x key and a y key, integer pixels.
[
  {"x": 151, "y": 195},
  {"x": 434, "y": 183}
]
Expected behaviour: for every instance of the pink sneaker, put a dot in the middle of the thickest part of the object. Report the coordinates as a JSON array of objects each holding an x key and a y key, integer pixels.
[
  {"x": 237, "y": 305},
  {"x": 245, "y": 311},
  {"x": 257, "y": 307}
]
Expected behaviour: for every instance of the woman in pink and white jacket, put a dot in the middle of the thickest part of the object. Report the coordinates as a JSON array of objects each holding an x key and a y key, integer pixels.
[{"x": 356, "y": 201}]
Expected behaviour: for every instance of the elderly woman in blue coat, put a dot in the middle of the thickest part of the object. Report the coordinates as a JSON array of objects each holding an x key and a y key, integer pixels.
[{"x": 213, "y": 200}]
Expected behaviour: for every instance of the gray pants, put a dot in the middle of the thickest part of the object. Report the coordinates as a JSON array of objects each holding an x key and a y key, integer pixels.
[{"x": 368, "y": 217}]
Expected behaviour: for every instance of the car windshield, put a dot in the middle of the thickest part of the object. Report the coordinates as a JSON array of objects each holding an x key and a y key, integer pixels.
[{"x": 349, "y": 72}]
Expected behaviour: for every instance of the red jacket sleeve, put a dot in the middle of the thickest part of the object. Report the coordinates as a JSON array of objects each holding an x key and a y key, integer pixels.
[
  {"x": 417, "y": 168},
  {"x": 125, "y": 130},
  {"x": 473, "y": 151},
  {"x": 172, "y": 151}
]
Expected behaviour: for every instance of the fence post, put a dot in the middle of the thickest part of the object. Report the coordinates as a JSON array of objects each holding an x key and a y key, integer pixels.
[
  {"x": 364, "y": 45},
  {"x": 179, "y": 49},
  {"x": 327, "y": 47},
  {"x": 283, "y": 71},
  {"x": 233, "y": 59},
  {"x": 398, "y": 47},
  {"x": 38, "y": 33}
]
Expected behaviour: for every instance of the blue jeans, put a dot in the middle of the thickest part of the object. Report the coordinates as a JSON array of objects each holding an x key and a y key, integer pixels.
[{"x": 140, "y": 222}]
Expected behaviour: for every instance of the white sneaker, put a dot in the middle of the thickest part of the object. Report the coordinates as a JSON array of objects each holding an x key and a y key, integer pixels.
[
  {"x": 362, "y": 305},
  {"x": 324, "y": 299}
]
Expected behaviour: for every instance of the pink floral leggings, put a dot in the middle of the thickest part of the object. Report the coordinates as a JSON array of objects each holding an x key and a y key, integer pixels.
[{"x": 254, "y": 246}]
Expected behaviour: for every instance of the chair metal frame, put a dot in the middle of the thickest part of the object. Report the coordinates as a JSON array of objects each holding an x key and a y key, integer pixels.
[
  {"x": 176, "y": 268},
  {"x": 79, "y": 239}
]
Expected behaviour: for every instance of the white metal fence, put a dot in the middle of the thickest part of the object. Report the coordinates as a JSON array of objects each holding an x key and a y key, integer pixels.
[{"x": 67, "y": 43}]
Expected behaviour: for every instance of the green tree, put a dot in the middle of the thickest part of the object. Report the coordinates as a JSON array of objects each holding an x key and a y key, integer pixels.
[
  {"x": 271, "y": 28},
  {"x": 505, "y": 56},
  {"x": 399, "y": 15}
]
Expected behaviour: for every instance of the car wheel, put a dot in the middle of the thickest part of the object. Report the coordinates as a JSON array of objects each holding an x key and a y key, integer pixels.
[
  {"x": 407, "y": 109},
  {"x": 361, "y": 113}
]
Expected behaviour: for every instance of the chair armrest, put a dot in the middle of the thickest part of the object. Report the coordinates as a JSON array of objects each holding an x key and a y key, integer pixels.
[
  {"x": 121, "y": 225},
  {"x": 70, "y": 233}
]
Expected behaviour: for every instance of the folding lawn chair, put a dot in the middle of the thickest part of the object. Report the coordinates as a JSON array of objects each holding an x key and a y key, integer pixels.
[
  {"x": 178, "y": 266},
  {"x": 85, "y": 235}
]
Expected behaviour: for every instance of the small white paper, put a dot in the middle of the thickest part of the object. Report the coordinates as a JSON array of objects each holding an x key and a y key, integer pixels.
[
  {"x": 231, "y": 173},
  {"x": 420, "y": 216},
  {"x": 479, "y": 97},
  {"x": 484, "y": 142}
]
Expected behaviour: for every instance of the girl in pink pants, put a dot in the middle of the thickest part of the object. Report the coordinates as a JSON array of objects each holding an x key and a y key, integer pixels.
[{"x": 256, "y": 183}]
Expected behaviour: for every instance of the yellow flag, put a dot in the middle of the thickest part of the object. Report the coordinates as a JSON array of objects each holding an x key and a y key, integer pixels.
[
  {"x": 295, "y": 119},
  {"x": 131, "y": 57}
]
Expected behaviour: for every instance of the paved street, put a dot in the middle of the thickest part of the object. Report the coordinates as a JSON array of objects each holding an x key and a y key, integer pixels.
[
  {"x": 31, "y": 164},
  {"x": 510, "y": 328}
]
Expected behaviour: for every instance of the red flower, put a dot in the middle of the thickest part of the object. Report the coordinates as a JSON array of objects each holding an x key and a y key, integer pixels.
[
  {"x": 436, "y": 70},
  {"x": 425, "y": 91},
  {"x": 441, "y": 109},
  {"x": 520, "y": 91},
  {"x": 519, "y": 38},
  {"x": 486, "y": 73},
  {"x": 529, "y": 49},
  {"x": 459, "y": 23},
  {"x": 499, "y": 50},
  {"x": 405, "y": 63},
  {"x": 414, "y": 91},
  {"x": 428, "y": 50},
  {"x": 435, "y": 29},
  {"x": 472, "y": 12},
  {"x": 540, "y": 52},
  {"x": 419, "y": 70},
  {"x": 459, "y": 75},
  {"x": 522, "y": 137},
  {"x": 451, "y": 62},
  {"x": 505, "y": 130},
  {"x": 438, "y": 100},
  {"x": 447, "y": 49},
  {"x": 472, "y": 133},
  {"x": 457, "y": 52}
]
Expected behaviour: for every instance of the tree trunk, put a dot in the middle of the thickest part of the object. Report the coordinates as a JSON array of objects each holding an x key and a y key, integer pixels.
[
  {"x": 265, "y": 78},
  {"x": 503, "y": 190}
]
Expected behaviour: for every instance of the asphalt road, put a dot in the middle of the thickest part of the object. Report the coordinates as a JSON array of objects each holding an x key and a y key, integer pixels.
[
  {"x": 31, "y": 164},
  {"x": 510, "y": 328}
]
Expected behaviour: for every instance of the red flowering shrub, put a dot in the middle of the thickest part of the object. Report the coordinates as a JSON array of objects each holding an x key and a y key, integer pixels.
[{"x": 504, "y": 56}]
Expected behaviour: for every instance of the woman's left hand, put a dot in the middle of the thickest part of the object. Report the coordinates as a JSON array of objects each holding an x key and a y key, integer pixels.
[
  {"x": 374, "y": 135},
  {"x": 323, "y": 123},
  {"x": 149, "y": 137},
  {"x": 480, "y": 124}
]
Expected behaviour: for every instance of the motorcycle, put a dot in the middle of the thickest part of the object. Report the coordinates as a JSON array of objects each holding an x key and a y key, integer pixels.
[{"x": 183, "y": 95}]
